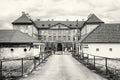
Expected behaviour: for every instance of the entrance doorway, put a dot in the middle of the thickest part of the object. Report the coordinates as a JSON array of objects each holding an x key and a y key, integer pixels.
[{"x": 59, "y": 47}]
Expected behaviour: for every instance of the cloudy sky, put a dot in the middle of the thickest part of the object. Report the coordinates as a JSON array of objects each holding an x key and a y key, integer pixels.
[{"x": 107, "y": 10}]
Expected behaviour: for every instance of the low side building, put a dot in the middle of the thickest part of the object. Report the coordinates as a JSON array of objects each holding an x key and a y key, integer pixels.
[
  {"x": 15, "y": 44},
  {"x": 104, "y": 40}
]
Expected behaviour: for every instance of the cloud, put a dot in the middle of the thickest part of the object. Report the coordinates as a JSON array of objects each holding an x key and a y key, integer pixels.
[{"x": 107, "y": 10}]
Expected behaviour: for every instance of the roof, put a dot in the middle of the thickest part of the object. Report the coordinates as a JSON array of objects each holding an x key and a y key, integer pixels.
[
  {"x": 15, "y": 36},
  {"x": 105, "y": 33},
  {"x": 94, "y": 19},
  {"x": 23, "y": 19},
  {"x": 48, "y": 24}
]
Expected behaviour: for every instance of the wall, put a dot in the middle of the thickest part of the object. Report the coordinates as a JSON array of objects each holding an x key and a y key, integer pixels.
[
  {"x": 29, "y": 29},
  {"x": 103, "y": 49},
  {"x": 87, "y": 29},
  {"x": 18, "y": 52},
  {"x": 67, "y": 32}
]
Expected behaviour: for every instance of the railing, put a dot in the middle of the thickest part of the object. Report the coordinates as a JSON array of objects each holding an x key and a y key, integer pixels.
[
  {"x": 14, "y": 68},
  {"x": 107, "y": 67}
]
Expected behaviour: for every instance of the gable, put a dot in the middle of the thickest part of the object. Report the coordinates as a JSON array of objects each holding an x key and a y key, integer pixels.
[{"x": 59, "y": 26}]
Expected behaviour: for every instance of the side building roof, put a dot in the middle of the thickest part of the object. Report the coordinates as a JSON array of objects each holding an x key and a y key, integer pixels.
[
  {"x": 15, "y": 36},
  {"x": 105, "y": 33}
]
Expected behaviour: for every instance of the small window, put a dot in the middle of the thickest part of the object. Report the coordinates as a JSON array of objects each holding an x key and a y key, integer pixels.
[
  {"x": 25, "y": 50},
  {"x": 12, "y": 50},
  {"x": 70, "y": 24},
  {"x": 54, "y": 37},
  {"x": 68, "y": 37},
  {"x": 76, "y": 25},
  {"x": 43, "y": 25},
  {"x": 50, "y": 38},
  {"x": 49, "y": 24},
  {"x": 97, "y": 49},
  {"x": 110, "y": 49},
  {"x": 44, "y": 37}
]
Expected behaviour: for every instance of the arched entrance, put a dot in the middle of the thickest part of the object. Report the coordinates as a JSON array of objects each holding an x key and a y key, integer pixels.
[{"x": 59, "y": 47}]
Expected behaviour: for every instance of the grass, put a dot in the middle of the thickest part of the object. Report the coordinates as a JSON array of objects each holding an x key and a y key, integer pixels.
[{"x": 14, "y": 67}]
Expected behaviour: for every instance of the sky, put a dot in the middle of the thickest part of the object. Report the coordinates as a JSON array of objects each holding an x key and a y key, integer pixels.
[{"x": 106, "y": 10}]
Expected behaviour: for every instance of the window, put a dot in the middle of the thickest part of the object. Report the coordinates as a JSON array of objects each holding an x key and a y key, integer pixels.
[
  {"x": 44, "y": 37},
  {"x": 40, "y": 37},
  {"x": 59, "y": 31},
  {"x": 97, "y": 49},
  {"x": 25, "y": 50},
  {"x": 54, "y": 37},
  {"x": 110, "y": 49},
  {"x": 69, "y": 31},
  {"x": 64, "y": 38},
  {"x": 36, "y": 46},
  {"x": 59, "y": 37},
  {"x": 76, "y": 25},
  {"x": 70, "y": 24},
  {"x": 43, "y": 25},
  {"x": 68, "y": 37},
  {"x": 80, "y": 47},
  {"x": 12, "y": 50},
  {"x": 49, "y": 24},
  {"x": 50, "y": 38}
]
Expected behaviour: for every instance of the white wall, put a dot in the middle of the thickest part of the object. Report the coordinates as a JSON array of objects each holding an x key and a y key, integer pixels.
[
  {"x": 103, "y": 50},
  {"x": 17, "y": 52}
]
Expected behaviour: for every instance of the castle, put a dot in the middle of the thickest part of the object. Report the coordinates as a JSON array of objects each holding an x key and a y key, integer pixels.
[{"x": 57, "y": 35}]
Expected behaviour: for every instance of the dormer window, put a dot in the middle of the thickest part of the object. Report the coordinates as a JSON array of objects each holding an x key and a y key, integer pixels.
[
  {"x": 70, "y": 24},
  {"x": 49, "y": 24},
  {"x": 76, "y": 25},
  {"x": 43, "y": 25}
]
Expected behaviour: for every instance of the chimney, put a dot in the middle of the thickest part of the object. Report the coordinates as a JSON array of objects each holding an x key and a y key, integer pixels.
[
  {"x": 27, "y": 14},
  {"x": 82, "y": 19},
  {"x": 52, "y": 19},
  {"x": 67, "y": 19},
  {"x": 23, "y": 12},
  {"x": 48, "y": 20},
  {"x": 38, "y": 19}
]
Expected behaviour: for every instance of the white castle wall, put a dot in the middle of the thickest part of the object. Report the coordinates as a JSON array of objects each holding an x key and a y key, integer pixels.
[
  {"x": 104, "y": 49},
  {"x": 18, "y": 52}
]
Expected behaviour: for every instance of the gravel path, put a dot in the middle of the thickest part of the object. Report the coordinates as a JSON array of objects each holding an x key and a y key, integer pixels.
[{"x": 63, "y": 67}]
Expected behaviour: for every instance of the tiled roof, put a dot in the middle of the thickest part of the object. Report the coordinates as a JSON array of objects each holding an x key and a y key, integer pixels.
[
  {"x": 15, "y": 36},
  {"x": 105, "y": 33},
  {"x": 23, "y": 19},
  {"x": 93, "y": 19},
  {"x": 48, "y": 24}
]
